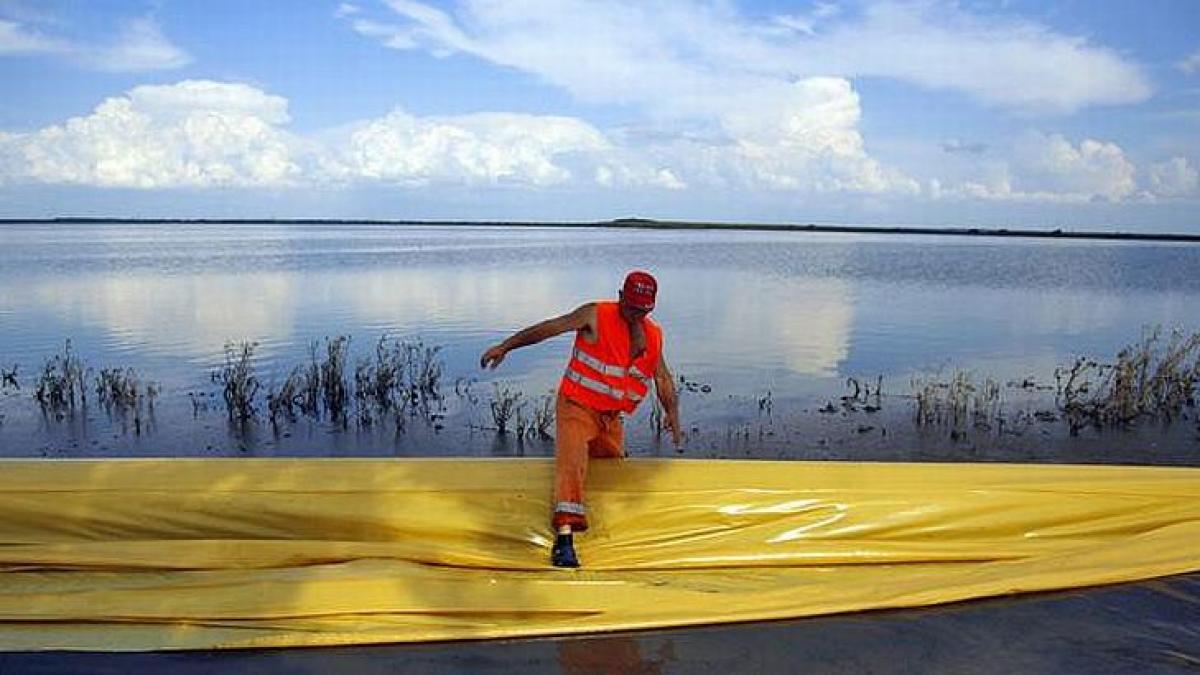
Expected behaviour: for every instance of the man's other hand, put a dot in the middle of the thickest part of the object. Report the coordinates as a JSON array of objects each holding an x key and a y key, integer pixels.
[
  {"x": 492, "y": 357},
  {"x": 672, "y": 423}
]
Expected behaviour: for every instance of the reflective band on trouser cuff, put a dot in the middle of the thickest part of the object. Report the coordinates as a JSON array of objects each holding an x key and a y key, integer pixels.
[
  {"x": 598, "y": 387},
  {"x": 570, "y": 507},
  {"x": 634, "y": 371},
  {"x": 598, "y": 365}
]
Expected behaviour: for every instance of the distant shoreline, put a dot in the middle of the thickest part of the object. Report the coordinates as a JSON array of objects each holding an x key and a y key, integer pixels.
[{"x": 635, "y": 223}]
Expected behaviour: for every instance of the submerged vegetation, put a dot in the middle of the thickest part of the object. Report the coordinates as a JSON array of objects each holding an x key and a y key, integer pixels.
[
  {"x": 1154, "y": 378},
  {"x": 424, "y": 373},
  {"x": 539, "y": 423},
  {"x": 238, "y": 381},
  {"x": 505, "y": 403},
  {"x": 398, "y": 381},
  {"x": 378, "y": 384},
  {"x": 960, "y": 404},
  {"x": 64, "y": 381},
  {"x": 334, "y": 391},
  {"x": 402, "y": 381},
  {"x": 8, "y": 381},
  {"x": 512, "y": 412},
  {"x": 8, "y": 378},
  {"x": 125, "y": 396},
  {"x": 62, "y": 384}
]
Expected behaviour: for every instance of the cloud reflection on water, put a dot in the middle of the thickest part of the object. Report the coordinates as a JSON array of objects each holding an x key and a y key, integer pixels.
[
  {"x": 716, "y": 319},
  {"x": 189, "y": 316}
]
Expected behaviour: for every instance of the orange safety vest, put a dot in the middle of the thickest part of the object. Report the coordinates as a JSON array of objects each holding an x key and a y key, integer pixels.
[{"x": 600, "y": 375}]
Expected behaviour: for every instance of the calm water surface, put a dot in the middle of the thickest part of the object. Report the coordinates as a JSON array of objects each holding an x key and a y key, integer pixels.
[{"x": 745, "y": 314}]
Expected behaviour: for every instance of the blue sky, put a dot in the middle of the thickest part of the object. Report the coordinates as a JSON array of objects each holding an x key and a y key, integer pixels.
[{"x": 1083, "y": 115}]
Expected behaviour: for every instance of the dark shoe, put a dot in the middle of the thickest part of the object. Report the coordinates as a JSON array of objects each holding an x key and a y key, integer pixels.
[{"x": 563, "y": 553}]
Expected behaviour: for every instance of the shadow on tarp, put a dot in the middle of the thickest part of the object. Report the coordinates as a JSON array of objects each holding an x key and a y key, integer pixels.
[{"x": 1150, "y": 626}]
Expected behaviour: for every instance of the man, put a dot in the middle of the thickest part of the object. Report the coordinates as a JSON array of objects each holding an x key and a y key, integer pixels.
[{"x": 618, "y": 350}]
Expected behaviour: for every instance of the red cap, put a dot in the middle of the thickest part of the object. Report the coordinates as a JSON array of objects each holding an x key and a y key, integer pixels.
[{"x": 639, "y": 290}]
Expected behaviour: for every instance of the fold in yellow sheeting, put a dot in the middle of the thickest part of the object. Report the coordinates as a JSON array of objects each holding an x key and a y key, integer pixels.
[{"x": 175, "y": 554}]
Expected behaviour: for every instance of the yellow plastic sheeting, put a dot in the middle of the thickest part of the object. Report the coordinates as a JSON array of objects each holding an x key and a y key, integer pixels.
[{"x": 174, "y": 553}]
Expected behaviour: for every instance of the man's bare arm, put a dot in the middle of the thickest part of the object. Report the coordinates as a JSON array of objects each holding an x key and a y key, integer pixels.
[
  {"x": 580, "y": 318},
  {"x": 664, "y": 387}
]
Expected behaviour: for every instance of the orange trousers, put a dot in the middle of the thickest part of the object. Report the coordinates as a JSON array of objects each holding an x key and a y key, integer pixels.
[{"x": 580, "y": 433}]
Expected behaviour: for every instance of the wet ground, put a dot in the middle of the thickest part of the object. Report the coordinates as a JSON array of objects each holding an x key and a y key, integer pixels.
[{"x": 1146, "y": 627}]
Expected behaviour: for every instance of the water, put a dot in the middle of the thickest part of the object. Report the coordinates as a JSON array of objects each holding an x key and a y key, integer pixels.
[{"x": 751, "y": 317}]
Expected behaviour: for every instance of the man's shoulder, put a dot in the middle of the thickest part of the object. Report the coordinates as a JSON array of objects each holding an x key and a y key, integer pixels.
[
  {"x": 597, "y": 307},
  {"x": 591, "y": 313}
]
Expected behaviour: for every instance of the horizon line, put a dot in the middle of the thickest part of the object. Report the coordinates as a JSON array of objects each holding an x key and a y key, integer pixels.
[{"x": 636, "y": 223}]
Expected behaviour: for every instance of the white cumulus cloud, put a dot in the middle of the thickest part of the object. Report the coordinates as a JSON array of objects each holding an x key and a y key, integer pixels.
[
  {"x": 809, "y": 140},
  {"x": 195, "y": 133},
  {"x": 1091, "y": 169},
  {"x": 803, "y": 138},
  {"x": 1174, "y": 178},
  {"x": 205, "y": 134},
  {"x": 1050, "y": 168},
  {"x": 202, "y": 134},
  {"x": 485, "y": 148}
]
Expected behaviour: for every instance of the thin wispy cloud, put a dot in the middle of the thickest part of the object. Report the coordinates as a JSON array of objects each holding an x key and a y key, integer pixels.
[
  {"x": 18, "y": 39},
  {"x": 346, "y": 9},
  {"x": 1007, "y": 62},
  {"x": 956, "y": 146},
  {"x": 807, "y": 22},
  {"x": 1191, "y": 64},
  {"x": 669, "y": 55},
  {"x": 140, "y": 46}
]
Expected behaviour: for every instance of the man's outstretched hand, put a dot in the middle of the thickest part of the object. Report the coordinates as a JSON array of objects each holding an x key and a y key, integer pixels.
[{"x": 492, "y": 357}]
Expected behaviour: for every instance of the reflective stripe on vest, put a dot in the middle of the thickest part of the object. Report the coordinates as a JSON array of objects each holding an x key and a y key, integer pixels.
[
  {"x": 570, "y": 507},
  {"x": 595, "y": 385},
  {"x": 598, "y": 365},
  {"x": 634, "y": 371}
]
